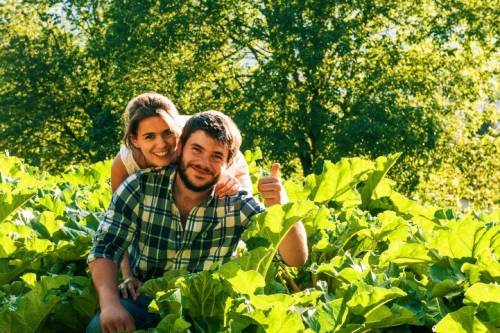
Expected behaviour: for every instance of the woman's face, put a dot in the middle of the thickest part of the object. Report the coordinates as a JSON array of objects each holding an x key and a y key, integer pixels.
[{"x": 156, "y": 142}]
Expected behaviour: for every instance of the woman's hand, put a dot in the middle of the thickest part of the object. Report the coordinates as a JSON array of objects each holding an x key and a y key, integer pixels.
[
  {"x": 130, "y": 286},
  {"x": 228, "y": 185}
]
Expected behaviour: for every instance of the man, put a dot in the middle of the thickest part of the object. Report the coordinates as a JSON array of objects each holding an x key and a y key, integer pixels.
[{"x": 172, "y": 220}]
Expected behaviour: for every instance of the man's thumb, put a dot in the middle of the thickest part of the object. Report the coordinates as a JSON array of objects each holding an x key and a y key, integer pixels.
[{"x": 275, "y": 170}]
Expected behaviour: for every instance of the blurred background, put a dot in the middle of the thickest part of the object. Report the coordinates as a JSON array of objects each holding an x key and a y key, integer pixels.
[{"x": 306, "y": 81}]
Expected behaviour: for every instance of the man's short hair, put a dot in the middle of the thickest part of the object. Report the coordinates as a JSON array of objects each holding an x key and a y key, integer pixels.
[{"x": 218, "y": 126}]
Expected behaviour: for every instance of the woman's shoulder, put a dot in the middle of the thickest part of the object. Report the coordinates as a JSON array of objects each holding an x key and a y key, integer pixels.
[{"x": 128, "y": 160}]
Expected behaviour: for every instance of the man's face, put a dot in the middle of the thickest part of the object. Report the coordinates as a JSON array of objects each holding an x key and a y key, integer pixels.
[{"x": 202, "y": 161}]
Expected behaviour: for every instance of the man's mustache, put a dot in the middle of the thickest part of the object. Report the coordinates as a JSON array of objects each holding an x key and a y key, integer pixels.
[{"x": 199, "y": 167}]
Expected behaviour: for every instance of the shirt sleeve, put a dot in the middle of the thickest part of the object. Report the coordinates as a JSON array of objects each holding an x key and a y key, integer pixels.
[
  {"x": 120, "y": 222},
  {"x": 249, "y": 206}
]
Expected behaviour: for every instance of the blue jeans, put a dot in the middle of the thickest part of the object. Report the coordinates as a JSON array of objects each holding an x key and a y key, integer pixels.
[{"x": 139, "y": 311}]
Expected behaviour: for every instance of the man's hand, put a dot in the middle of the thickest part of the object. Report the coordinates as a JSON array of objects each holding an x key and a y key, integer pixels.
[
  {"x": 116, "y": 319},
  {"x": 293, "y": 249},
  {"x": 271, "y": 189}
]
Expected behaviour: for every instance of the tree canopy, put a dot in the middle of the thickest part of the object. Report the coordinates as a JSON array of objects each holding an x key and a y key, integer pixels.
[{"x": 305, "y": 80}]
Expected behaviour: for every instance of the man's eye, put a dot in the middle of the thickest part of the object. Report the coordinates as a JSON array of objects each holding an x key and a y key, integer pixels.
[
  {"x": 149, "y": 137},
  {"x": 167, "y": 133}
]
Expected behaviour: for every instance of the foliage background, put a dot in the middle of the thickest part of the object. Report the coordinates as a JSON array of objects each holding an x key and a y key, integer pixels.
[{"x": 304, "y": 80}]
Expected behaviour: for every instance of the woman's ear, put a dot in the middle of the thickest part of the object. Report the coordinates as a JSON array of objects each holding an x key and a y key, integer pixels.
[{"x": 133, "y": 141}]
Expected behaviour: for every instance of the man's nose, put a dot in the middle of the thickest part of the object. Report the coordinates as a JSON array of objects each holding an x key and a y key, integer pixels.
[
  {"x": 160, "y": 141},
  {"x": 204, "y": 160}
]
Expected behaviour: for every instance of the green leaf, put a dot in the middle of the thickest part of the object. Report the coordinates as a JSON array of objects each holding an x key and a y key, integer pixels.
[
  {"x": 367, "y": 297},
  {"x": 444, "y": 288},
  {"x": 384, "y": 316},
  {"x": 49, "y": 221},
  {"x": 33, "y": 308},
  {"x": 278, "y": 319},
  {"x": 464, "y": 238},
  {"x": 53, "y": 205},
  {"x": 462, "y": 321},
  {"x": 7, "y": 247},
  {"x": 165, "y": 283},
  {"x": 205, "y": 297},
  {"x": 337, "y": 181},
  {"x": 486, "y": 269},
  {"x": 10, "y": 202},
  {"x": 265, "y": 302},
  {"x": 382, "y": 165},
  {"x": 245, "y": 282},
  {"x": 272, "y": 226},
  {"x": 40, "y": 246},
  {"x": 482, "y": 292},
  {"x": 405, "y": 254}
]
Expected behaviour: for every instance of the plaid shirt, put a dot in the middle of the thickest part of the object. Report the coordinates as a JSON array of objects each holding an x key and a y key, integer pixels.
[{"x": 143, "y": 214}]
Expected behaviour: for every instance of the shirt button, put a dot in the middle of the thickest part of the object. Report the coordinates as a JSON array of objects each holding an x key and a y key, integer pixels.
[
  {"x": 178, "y": 236},
  {"x": 204, "y": 235}
]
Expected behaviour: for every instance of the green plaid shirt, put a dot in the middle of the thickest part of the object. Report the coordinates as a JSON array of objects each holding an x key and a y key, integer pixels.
[{"x": 143, "y": 214}]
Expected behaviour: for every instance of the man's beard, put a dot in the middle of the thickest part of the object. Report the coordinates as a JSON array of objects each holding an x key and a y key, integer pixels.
[{"x": 189, "y": 184}]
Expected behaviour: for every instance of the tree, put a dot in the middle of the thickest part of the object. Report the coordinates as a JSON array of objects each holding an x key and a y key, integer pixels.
[
  {"x": 42, "y": 105},
  {"x": 305, "y": 80}
]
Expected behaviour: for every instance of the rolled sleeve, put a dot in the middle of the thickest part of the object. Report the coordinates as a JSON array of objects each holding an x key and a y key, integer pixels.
[
  {"x": 249, "y": 206},
  {"x": 120, "y": 222}
]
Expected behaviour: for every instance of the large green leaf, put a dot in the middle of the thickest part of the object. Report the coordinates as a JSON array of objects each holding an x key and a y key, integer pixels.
[
  {"x": 486, "y": 268},
  {"x": 12, "y": 201},
  {"x": 467, "y": 237},
  {"x": 384, "y": 316},
  {"x": 366, "y": 298},
  {"x": 382, "y": 166},
  {"x": 279, "y": 319},
  {"x": 31, "y": 310},
  {"x": 482, "y": 292},
  {"x": 7, "y": 247},
  {"x": 204, "y": 297},
  {"x": 271, "y": 227},
  {"x": 245, "y": 282},
  {"x": 462, "y": 321},
  {"x": 401, "y": 253},
  {"x": 337, "y": 181}
]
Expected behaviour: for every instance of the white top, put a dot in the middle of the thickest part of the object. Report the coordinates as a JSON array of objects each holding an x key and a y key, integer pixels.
[{"x": 128, "y": 160}]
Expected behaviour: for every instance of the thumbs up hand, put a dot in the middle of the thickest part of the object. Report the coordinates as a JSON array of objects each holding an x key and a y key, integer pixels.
[{"x": 271, "y": 189}]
